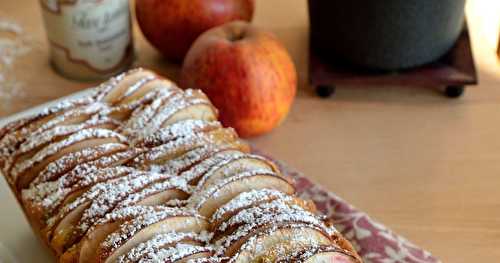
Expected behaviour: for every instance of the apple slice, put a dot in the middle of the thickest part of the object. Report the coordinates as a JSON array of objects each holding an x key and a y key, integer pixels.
[
  {"x": 169, "y": 109},
  {"x": 276, "y": 212},
  {"x": 74, "y": 219},
  {"x": 29, "y": 124},
  {"x": 158, "y": 193},
  {"x": 132, "y": 206},
  {"x": 45, "y": 199},
  {"x": 216, "y": 166},
  {"x": 56, "y": 190},
  {"x": 194, "y": 173},
  {"x": 155, "y": 194},
  {"x": 23, "y": 173},
  {"x": 212, "y": 197},
  {"x": 91, "y": 158},
  {"x": 158, "y": 245},
  {"x": 197, "y": 155},
  {"x": 196, "y": 105},
  {"x": 144, "y": 95},
  {"x": 143, "y": 228},
  {"x": 255, "y": 198},
  {"x": 317, "y": 254},
  {"x": 234, "y": 165},
  {"x": 136, "y": 124},
  {"x": 177, "y": 130},
  {"x": 166, "y": 152},
  {"x": 178, "y": 253},
  {"x": 123, "y": 111},
  {"x": 12, "y": 141},
  {"x": 156, "y": 84},
  {"x": 36, "y": 142},
  {"x": 254, "y": 247},
  {"x": 86, "y": 249},
  {"x": 212, "y": 259},
  {"x": 124, "y": 85},
  {"x": 194, "y": 156}
]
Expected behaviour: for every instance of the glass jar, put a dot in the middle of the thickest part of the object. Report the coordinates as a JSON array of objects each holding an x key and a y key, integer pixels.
[{"x": 89, "y": 39}]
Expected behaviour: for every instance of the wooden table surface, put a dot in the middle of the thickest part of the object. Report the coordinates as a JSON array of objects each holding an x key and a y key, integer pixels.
[{"x": 425, "y": 165}]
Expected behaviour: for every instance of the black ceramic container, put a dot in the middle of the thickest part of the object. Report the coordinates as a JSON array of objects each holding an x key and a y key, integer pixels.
[{"x": 385, "y": 34}]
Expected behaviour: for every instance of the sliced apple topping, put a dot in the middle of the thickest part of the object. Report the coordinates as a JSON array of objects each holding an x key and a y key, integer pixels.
[
  {"x": 187, "y": 105},
  {"x": 145, "y": 227},
  {"x": 176, "y": 130},
  {"x": 45, "y": 198},
  {"x": 178, "y": 253},
  {"x": 315, "y": 254},
  {"x": 78, "y": 216},
  {"x": 141, "y": 171},
  {"x": 86, "y": 249},
  {"x": 254, "y": 248},
  {"x": 158, "y": 193},
  {"x": 154, "y": 85},
  {"x": 27, "y": 125},
  {"x": 235, "y": 165},
  {"x": 195, "y": 156},
  {"x": 156, "y": 246},
  {"x": 124, "y": 85},
  {"x": 255, "y": 198},
  {"x": 211, "y": 259},
  {"x": 145, "y": 95},
  {"x": 184, "y": 162},
  {"x": 36, "y": 142},
  {"x": 210, "y": 198},
  {"x": 166, "y": 152},
  {"x": 85, "y": 160},
  {"x": 23, "y": 173},
  {"x": 276, "y": 212},
  {"x": 136, "y": 124},
  {"x": 123, "y": 111},
  {"x": 193, "y": 174},
  {"x": 68, "y": 116}
]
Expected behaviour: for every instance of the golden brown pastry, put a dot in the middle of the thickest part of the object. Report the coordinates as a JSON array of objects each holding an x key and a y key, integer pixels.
[{"x": 142, "y": 171}]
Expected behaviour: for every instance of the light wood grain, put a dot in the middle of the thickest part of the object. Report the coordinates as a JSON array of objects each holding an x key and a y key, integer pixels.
[{"x": 425, "y": 165}]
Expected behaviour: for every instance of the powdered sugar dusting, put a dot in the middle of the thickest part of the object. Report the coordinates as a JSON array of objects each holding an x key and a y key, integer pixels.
[
  {"x": 150, "y": 248},
  {"x": 47, "y": 136},
  {"x": 129, "y": 229},
  {"x": 111, "y": 194},
  {"x": 136, "y": 125},
  {"x": 139, "y": 178},
  {"x": 179, "y": 129},
  {"x": 227, "y": 170},
  {"x": 253, "y": 242},
  {"x": 56, "y": 147},
  {"x": 175, "y": 105},
  {"x": 173, "y": 254},
  {"x": 210, "y": 164},
  {"x": 196, "y": 201},
  {"x": 79, "y": 162},
  {"x": 248, "y": 199}
]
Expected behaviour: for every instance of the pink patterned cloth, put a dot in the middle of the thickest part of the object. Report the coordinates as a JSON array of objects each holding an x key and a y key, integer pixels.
[{"x": 373, "y": 241}]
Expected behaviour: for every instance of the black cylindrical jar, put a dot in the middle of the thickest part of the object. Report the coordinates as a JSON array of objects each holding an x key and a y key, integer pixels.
[{"x": 385, "y": 34}]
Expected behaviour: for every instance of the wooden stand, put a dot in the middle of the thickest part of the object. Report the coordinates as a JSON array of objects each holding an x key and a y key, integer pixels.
[{"x": 453, "y": 71}]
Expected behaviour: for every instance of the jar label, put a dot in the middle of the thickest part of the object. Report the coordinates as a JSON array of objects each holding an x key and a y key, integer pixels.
[{"x": 95, "y": 33}]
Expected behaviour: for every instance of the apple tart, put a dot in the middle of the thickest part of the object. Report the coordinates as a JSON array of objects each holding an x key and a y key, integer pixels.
[{"x": 141, "y": 171}]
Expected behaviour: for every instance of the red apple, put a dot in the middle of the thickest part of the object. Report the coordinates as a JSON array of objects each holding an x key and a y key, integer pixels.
[
  {"x": 173, "y": 25},
  {"x": 247, "y": 74}
]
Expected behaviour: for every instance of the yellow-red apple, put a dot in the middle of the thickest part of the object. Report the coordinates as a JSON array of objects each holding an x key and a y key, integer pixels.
[
  {"x": 247, "y": 74},
  {"x": 173, "y": 25}
]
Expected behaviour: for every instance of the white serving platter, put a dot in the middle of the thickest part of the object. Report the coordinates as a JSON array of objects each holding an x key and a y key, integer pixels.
[{"x": 18, "y": 243}]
